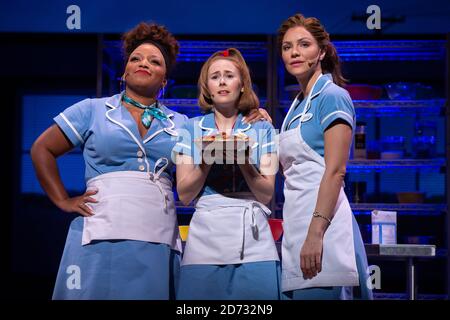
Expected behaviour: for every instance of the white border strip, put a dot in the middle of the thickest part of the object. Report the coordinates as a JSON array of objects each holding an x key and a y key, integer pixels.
[
  {"x": 267, "y": 144},
  {"x": 348, "y": 116},
  {"x": 183, "y": 145},
  {"x": 72, "y": 127},
  {"x": 127, "y": 130}
]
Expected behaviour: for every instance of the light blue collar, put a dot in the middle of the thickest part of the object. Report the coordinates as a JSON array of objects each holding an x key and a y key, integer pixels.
[
  {"x": 114, "y": 115},
  {"x": 207, "y": 122},
  {"x": 320, "y": 83}
]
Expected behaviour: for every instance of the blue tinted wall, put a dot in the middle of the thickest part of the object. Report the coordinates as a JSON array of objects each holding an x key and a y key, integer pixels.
[{"x": 220, "y": 17}]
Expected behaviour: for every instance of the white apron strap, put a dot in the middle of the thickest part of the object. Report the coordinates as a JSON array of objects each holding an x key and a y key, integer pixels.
[
  {"x": 250, "y": 207},
  {"x": 155, "y": 177}
]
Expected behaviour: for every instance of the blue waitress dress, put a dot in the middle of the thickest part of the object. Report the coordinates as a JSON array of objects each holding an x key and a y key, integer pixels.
[
  {"x": 130, "y": 248},
  {"x": 230, "y": 252}
]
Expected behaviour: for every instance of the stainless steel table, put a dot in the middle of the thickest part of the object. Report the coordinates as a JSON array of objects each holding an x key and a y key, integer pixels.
[{"x": 403, "y": 251}]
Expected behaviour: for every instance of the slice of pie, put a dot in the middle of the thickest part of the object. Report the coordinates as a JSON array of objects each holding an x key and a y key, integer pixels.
[{"x": 223, "y": 137}]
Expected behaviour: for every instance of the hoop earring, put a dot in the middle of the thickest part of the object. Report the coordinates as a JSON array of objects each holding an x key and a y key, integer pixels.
[
  {"x": 162, "y": 92},
  {"x": 122, "y": 84}
]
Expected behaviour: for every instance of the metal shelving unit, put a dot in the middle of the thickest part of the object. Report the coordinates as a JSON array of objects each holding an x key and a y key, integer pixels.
[
  {"x": 390, "y": 50},
  {"x": 386, "y": 108},
  {"x": 427, "y": 209},
  {"x": 403, "y": 209},
  {"x": 199, "y": 51},
  {"x": 404, "y": 296},
  {"x": 381, "y": 164}
]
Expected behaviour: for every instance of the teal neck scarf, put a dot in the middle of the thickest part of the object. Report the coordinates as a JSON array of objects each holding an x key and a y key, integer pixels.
[{"x": 149, "y": 111}]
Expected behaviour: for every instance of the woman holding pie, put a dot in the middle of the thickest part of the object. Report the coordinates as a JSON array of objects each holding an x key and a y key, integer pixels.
[{"x": 229, "y": 167}]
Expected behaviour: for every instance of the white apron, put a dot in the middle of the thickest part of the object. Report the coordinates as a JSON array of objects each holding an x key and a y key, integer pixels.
[
  {"x": 132, "y": 205},
  {"x": 227, "y": 230},
  {"x": 303, "y": 170}
]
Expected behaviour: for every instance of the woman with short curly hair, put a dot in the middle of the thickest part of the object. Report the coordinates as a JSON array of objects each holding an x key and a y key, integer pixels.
[{"x": 124, "y": 245}]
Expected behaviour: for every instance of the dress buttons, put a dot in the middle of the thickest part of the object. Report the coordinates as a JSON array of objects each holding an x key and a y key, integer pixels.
[
  {"x": 141, "y": 167},
  {"x": 140, "y": 153},
  {"x": 140, "y": 160}
]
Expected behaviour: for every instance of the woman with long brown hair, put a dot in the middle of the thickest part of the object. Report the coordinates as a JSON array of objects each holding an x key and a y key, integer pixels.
[{"x": 322, "y": 249}]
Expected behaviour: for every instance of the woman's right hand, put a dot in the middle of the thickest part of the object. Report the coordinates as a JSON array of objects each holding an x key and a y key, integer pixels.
[{"x": 79, "y": 204}]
